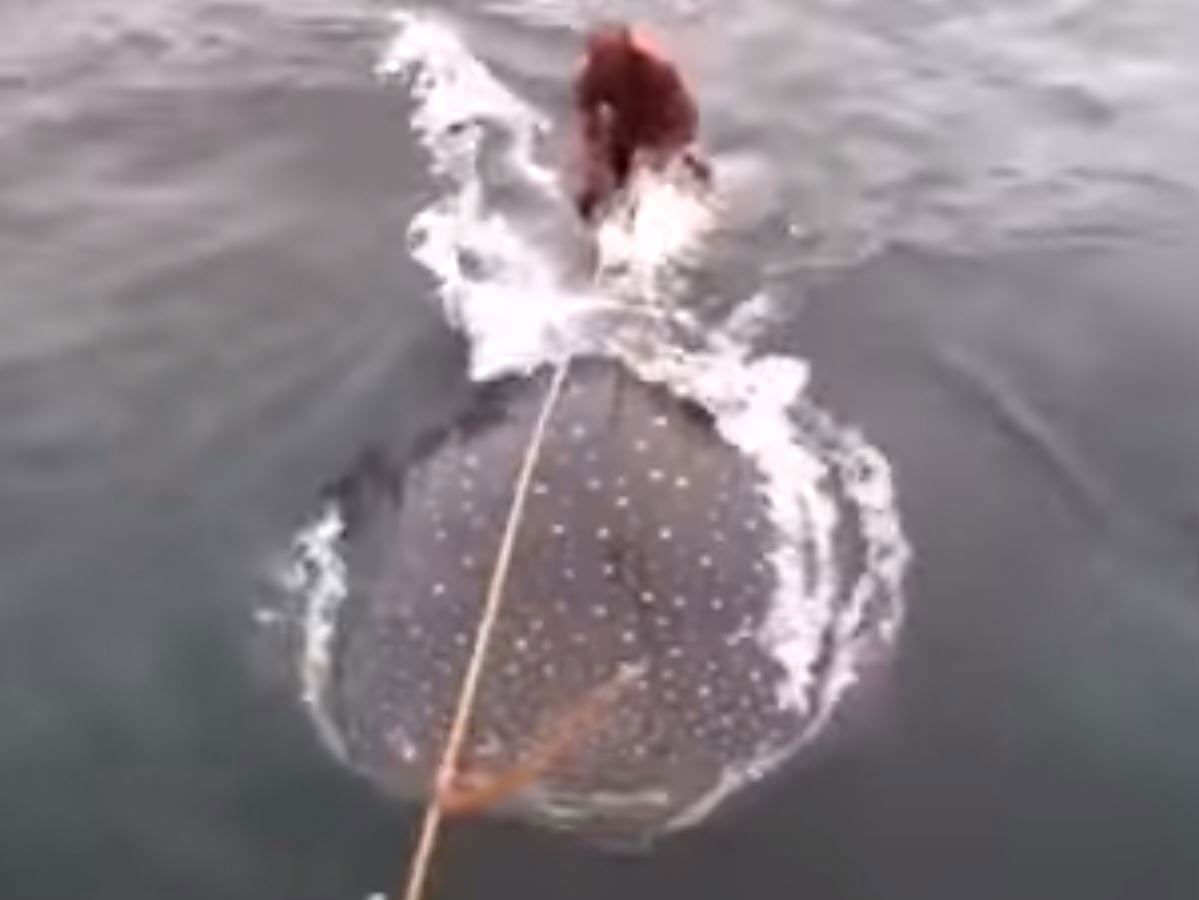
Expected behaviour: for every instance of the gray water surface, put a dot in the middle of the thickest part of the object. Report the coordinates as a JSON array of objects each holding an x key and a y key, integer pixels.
[{"x": 984, "y": 220}]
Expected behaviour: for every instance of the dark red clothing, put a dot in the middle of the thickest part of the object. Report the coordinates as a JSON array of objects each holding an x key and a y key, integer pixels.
[{"x": 631, "y": 101}]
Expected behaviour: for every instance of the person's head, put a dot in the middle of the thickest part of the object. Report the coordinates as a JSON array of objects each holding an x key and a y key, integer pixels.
[
  {"x": 609, "y": 37},
  {"x": 612, "y": 39}
]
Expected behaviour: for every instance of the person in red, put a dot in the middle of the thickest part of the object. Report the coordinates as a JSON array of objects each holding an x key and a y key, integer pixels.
[{"x": 633, "y": 109}]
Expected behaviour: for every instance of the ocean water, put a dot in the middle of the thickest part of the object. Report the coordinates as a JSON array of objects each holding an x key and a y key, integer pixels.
[{"x": 974, "y": 226}]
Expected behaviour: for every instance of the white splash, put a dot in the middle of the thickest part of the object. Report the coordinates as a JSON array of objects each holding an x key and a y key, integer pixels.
[
  {"x": 317, "y": 573},
  {"x": 496, "y": 284}
]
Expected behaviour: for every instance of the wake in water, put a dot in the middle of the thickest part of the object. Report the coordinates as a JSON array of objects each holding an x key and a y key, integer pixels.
[{"x": 699, "y": 533}]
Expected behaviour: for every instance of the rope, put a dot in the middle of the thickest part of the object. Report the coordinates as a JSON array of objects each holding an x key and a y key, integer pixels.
[{"x": 447, "y": 768}]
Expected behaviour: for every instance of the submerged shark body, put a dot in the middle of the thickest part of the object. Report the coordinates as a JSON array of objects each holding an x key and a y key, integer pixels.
[{"x": 625, "y": 674}]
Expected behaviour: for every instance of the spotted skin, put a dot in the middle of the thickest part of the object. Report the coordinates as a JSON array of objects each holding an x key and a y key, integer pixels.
[{"x": 644, "y": 544}]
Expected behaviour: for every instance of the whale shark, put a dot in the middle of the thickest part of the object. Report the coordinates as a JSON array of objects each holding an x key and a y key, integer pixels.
[{"x": 626, "y": 690}]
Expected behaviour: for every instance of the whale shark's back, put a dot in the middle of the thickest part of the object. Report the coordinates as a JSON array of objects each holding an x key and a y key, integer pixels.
[{"x": 643, "y": 556}]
